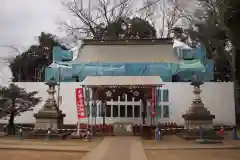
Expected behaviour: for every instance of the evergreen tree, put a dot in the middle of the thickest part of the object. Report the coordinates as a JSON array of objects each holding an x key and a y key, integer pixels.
[
  {"x": 30, "y": 65},
  {"x": 16, "y": 101}
]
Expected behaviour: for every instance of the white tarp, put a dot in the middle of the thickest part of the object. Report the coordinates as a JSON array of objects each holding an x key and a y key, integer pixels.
[
  {"x": 76, "y": 50},
  {"x": 179, "y": 44},
  {"x": 59, "y": 65}
]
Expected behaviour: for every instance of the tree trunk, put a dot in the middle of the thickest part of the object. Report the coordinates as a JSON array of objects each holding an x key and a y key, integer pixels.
[
  {"x": 11, "y": 126},
  {"x": 236, "y": 52}
]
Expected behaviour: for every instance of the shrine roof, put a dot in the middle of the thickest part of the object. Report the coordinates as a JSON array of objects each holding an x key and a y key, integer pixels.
[
  {"x": 133, "y": 50},
  {"x": 108, "y": 81},
  {"x": 141, "y": 41}
]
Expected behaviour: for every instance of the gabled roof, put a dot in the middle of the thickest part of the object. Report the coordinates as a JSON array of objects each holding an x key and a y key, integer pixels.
[
  {"x": 140, "y": 50},
  {"x": 122, "y": 81},
  {"x": 143, "y": 41}
]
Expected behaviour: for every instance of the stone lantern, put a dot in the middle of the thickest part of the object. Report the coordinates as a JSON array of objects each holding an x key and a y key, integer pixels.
[
  {"x": 50, "y": 116},
  {"x": 198, "y": 115},
  {"x": 198, "y": 120}
]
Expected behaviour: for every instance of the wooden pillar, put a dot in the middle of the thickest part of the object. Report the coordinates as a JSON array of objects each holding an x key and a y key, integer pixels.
[
  {"x": 111, "y": 108},
  {"x": 144, "y": 103},
  {"x": 126, "y": 105},
  {"x": 94, "y": 104},
  {"x": 119, "y": 106}
]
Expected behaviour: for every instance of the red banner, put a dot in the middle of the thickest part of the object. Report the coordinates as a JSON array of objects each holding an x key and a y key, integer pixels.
[
  {"x": 154, "y": 102},
  {"x": 80, "y": 102}
]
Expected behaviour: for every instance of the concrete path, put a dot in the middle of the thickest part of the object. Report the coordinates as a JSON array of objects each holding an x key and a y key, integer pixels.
[{"x": 118, "y": 148}]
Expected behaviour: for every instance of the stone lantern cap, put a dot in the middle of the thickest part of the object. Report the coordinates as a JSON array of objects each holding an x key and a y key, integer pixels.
[
  {"x": 51, "y": 82},
  {"x": 196, "y": 82}
]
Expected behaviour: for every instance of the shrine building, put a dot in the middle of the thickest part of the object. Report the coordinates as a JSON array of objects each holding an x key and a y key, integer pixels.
[{"x": 135, "y": 80}]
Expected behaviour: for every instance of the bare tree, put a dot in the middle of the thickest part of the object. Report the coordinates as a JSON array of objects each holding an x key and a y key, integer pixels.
[
  {"x": 164, "y": 15},
  {"x": 149, "y": 11},
  {"x": 172, "y": 14},
  {"x": 12, "y": 50},
  {"x": 90, "y": 16}
]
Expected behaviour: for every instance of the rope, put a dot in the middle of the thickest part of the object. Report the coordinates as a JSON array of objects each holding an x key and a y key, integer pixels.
[
  {"x": 166, "y": 129},
  {"x": 52, "y": 129}
]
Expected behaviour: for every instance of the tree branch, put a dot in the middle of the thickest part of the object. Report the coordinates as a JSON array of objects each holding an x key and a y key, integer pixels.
[
  {"x": 80, "y": 13},
  {"x": 103, "y": 9}
]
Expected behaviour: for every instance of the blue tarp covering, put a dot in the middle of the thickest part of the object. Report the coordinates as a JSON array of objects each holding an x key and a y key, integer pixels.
[
  {"x": 185, "y": 68},
  {"x": 60, "y": 55},
  {"x": 164, "y": 70},
  {"x": 195, "y": 53}
]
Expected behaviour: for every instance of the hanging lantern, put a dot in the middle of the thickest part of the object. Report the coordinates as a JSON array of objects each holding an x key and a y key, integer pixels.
[
  {"x": 109, "y": 93},
  {"x": 135, "y": 93},
  {"x": 123, "y": 26},
  {"x": 123, "y": 96}
]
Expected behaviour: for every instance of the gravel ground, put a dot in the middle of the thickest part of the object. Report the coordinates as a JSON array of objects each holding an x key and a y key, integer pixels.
[
  {"x": 193, "y": 154},
  {"x": 173, "y": 140},
  {"x": 70, "y": 142},
  {"x": 39, "y": 155}
]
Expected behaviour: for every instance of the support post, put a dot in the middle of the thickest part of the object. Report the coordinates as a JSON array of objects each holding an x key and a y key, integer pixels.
[
  {"x": 144, "y": 111},
  {"x": 48, "y": 134},
  {"x": 234, "y": 134},
  {"x": 158, "y": 134},
  {"x": 78, "y": 128},
  {"x": 59, "y": 81},
  {"x": 20, "y": 133},
  {"x": 92, "y": 119}
]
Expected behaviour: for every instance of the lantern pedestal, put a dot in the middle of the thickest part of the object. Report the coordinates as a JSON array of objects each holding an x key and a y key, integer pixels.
[
  {"x": 198, "y": 120},
  {"x": 49, "y": 118}
]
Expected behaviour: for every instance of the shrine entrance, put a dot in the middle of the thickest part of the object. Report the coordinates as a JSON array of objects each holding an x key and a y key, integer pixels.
[
  {"x": 108, "y": 89},
  {"x": 123, "y": 129}
]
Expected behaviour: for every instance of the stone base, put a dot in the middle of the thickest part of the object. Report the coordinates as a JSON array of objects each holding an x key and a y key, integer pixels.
[
  {"x": 195, "y": 134},
  {"x": 54, "y": 124},
  {"x": 206, "y": 141},
  {"x": 192, "y": 124},
  {"x": 49, "y": 119},
  {"x": 43, "y": 134}
]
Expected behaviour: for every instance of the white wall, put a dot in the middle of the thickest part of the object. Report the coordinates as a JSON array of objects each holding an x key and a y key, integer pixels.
[{"x": 217, "y": 97}]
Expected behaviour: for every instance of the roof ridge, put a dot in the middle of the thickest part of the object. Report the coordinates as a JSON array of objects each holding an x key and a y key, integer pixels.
[{"x": 139, "y": 41}]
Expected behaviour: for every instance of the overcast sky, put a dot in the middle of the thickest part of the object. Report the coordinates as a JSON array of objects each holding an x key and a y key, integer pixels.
[{"x": 21, "y": 21}]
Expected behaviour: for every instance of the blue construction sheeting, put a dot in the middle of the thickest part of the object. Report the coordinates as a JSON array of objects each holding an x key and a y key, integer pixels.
[
  {"x": 188, "y": 68},
  {"x": 194, "y": 53},
  {"x": 164, "y": 70},
  {"x": 60, "y": 54},
  {"x": 184, "y": 69},
  {"x": 209, "y": 70}
]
